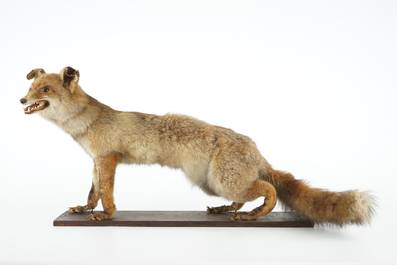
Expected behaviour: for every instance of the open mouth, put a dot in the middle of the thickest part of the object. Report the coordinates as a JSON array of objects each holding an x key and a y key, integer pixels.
[{"x": 38, "y": 105}]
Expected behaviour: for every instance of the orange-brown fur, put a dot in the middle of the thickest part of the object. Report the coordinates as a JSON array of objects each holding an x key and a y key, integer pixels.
[{"x": 218, "y": 160}]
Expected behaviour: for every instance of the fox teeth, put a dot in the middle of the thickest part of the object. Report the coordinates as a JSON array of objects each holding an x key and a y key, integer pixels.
[{"x": 32, "y": 106}]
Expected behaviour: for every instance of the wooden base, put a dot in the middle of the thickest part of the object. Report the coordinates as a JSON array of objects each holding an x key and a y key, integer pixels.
[{"x": 181, "y": 219}]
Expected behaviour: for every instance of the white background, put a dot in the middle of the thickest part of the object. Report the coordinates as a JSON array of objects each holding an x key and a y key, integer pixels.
[{"x": 313, "y": 83}]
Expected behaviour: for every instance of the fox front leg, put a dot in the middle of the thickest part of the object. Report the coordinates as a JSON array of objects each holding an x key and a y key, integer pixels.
[
  {"x": 106, "y": 169},
  {"x": 93, "y": 196}
]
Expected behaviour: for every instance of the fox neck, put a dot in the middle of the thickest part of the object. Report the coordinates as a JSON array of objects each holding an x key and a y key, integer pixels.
[
  {"x": 74, "y": 117},
  {"x": 78, "y": 123}
]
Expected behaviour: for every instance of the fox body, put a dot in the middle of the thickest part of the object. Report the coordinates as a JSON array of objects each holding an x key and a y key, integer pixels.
[{"x": 218, "y": 160}]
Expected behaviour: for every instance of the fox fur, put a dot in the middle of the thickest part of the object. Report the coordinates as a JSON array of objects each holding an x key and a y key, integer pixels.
[{"x": 218, "y": 160}]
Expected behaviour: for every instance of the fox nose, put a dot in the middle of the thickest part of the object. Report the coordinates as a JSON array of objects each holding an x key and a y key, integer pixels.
[{"x": 23, "y": 101}]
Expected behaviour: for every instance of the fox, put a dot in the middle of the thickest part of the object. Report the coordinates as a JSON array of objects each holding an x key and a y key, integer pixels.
[{"x": 218, "y": 160}]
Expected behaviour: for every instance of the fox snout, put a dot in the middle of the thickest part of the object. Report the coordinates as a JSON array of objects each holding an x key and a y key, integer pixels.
[{"x": 36, "y": 106}]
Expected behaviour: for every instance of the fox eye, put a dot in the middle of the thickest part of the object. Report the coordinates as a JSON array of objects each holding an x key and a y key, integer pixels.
[
  {"x": 30, "y": 89},
  {"x": 45, "y": 89}
]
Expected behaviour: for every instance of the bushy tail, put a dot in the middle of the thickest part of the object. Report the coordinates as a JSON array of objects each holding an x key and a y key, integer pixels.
[{"x": 321, "y": 206}]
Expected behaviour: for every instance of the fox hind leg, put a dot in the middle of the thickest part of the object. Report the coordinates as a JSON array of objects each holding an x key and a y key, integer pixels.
[
  {"x": 225, "y": 208},
  {"x": 259, "y": 188},
  {"x": 93, "y": 196}
]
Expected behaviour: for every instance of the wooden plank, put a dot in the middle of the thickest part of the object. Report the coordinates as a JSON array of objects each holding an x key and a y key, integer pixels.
[{"x": 182, "y": 219}]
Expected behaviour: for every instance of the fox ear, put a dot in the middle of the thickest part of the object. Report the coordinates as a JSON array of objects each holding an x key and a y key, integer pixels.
[
  {"x": 69, "y": 76},
  {"x": 35, "y": 73}
]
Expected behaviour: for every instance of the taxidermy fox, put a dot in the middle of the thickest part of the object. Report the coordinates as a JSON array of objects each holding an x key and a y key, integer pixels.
[{"x": 218, "y": 160}]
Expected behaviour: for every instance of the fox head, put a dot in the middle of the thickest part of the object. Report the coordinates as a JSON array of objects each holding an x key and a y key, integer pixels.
[{"x": 55, "y": 97}]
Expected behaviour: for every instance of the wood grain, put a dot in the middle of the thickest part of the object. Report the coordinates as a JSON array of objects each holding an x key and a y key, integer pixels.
[{"x": 181, "y": 219}]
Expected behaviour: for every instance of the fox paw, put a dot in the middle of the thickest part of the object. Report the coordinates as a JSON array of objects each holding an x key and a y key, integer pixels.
[
  {"x": 212, "y": 210},
  {"x": 78, "y": 209},
  {"x": 242, "y": 217},
  {"x": 99, "y": 216}
]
